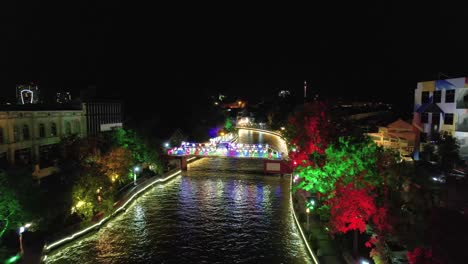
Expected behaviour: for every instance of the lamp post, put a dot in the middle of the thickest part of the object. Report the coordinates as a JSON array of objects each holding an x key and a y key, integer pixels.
[
  {"x": 21, "y": 231},
  {"x": 309, "y": 206},
  {"x": 135, "y": 170}
]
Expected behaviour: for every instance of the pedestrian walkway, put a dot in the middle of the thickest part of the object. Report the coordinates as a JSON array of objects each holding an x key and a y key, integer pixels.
[{"x": 327, "y": 250}]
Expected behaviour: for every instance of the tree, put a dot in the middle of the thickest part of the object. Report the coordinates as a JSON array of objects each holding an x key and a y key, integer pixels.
[
  {"x": 115, "y": 163},
  {"x": 308, "y": 132},
  {"x": 351, "y": 208},
  {"x": 228, "y": 125},
  {"x": 10, "y": 209},
  {"x": 420, "y": 256},
  {"x": 345, "y": 160},
  {"x": 142, "y": 151},
  {"x": 447, "y": 150},
  {"x": 92, "y": 193}
]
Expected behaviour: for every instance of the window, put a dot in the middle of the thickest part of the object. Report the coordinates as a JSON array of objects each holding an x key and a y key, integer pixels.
[
  {"x": 448, "y": 119},
  {"x": 68, "y": 128},
  {"x": 1, "y": 135},
  {"x": 16, "y": 136},
  {"x": 41, "y": 130},
  {"x": 25, "y": 132},
  {"x": 435, "y": 118},
  {"x": 424, "y": 118},
  {"x": 425, "y": 97},
  {"x": 437, "y": 96},
  {"x": 449, "y": 96},
  {"x": 53, "y": 130}
]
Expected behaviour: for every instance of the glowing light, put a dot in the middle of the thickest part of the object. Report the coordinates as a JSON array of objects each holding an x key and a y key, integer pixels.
[
  {"x": 166, "y": 144},
  {"x": 314, "y": 258},
  {"x": 79, "y": 204},
  {"x": 28, "y": 91},
  {"x": 283, "y": 128},
  {"x": 364, "y": 261},
  {"x": 73, "y": 236},
  {"x": 22, "y": 229},
  {"x": 13, "y": 259},
  {"x": 307, "y": 210}
]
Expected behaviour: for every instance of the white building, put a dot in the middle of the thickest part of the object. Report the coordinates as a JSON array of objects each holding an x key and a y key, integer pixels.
[
  {"x": 442, "y": 105},
  {"x": 29, "y": 133}
]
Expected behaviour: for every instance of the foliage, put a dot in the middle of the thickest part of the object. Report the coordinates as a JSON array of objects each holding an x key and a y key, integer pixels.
[
  {"x": 92, "y": 193},
  {"x": 344, "y": 160},
  {"x": 447, "y": 150},
  {"x": 429, "y": 152},
  {"x": 308, "y": 132},
  {"x": 350, "y": 208},
  {"x": 115, "y": 163},
  {"x": 141, "y": 151},
  {"x": 75, "y": 150},
  {"x": 228, "y": 126},
  {"x": 420, "y": 256},
  {"x": 10, "y": 209}
]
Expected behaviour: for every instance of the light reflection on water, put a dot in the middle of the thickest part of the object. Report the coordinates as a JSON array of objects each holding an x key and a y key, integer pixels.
[{"x": 211, "y": 214}]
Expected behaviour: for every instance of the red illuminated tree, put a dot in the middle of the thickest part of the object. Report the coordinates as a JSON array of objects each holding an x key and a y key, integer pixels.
[
  {"x": 421, "y": 256},
  {"x": 308, "y": 132},
  {"x": 351, "y": 208}
]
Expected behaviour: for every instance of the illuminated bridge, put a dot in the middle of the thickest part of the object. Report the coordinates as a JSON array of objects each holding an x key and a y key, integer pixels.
[{"x": 226, "y": 149}]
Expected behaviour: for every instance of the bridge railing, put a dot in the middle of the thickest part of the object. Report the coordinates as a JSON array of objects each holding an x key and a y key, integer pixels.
[{"x": 226, "y": 149}]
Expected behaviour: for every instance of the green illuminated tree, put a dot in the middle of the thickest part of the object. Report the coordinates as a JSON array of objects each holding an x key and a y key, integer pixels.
[
  {"x": 92, "y": 193},
  {"x": 228, "y": 125},
  {"x": 142, "y": 152},
  {"x": 10, "y": 209},
  {"x": 344, "y": 160}
]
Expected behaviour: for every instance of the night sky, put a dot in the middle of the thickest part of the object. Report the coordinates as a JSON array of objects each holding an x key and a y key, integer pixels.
[{"x": 161, "y": 58}]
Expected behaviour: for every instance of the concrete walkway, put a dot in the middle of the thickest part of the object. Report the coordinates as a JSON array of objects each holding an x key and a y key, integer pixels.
[{"x": 328, "y": 251}]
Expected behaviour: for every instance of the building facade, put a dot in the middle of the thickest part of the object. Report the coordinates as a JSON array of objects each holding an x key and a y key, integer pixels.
[
  {"x": 399, "y": 136},
  {"x": 29, "y": 135},
  {"x": 442, "y": 106},
  {"x": 103, "y": 116}
]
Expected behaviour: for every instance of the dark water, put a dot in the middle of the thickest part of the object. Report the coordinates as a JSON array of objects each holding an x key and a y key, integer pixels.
[{"x": 220, "y": 211}]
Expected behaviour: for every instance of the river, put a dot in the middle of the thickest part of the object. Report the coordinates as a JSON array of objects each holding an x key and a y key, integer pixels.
[{"x": 221, "y": 210}]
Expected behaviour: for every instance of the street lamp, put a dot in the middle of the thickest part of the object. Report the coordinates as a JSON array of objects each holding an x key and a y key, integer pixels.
[
  {"x": 21, "y": 231},
  {"x": 135, "y": 170},
  {"x": 308, "y": 214}
]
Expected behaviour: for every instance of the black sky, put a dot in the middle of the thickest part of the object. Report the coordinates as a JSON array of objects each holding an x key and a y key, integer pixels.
[{"x": 159, "y": 58}]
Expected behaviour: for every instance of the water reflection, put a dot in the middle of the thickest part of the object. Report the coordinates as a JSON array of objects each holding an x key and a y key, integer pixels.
[{"x": 211, "y": 214}]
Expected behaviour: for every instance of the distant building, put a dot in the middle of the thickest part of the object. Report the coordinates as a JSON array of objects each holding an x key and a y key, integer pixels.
[
  {"x": 399, "y": 136},
  {"x": 29, "y": 133},
  {"x": 103, "y": 115},
  {"x": 442, "y": 105},
  {"x": 63, "y": 97},
  {"x": 27, "y": 94}
]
